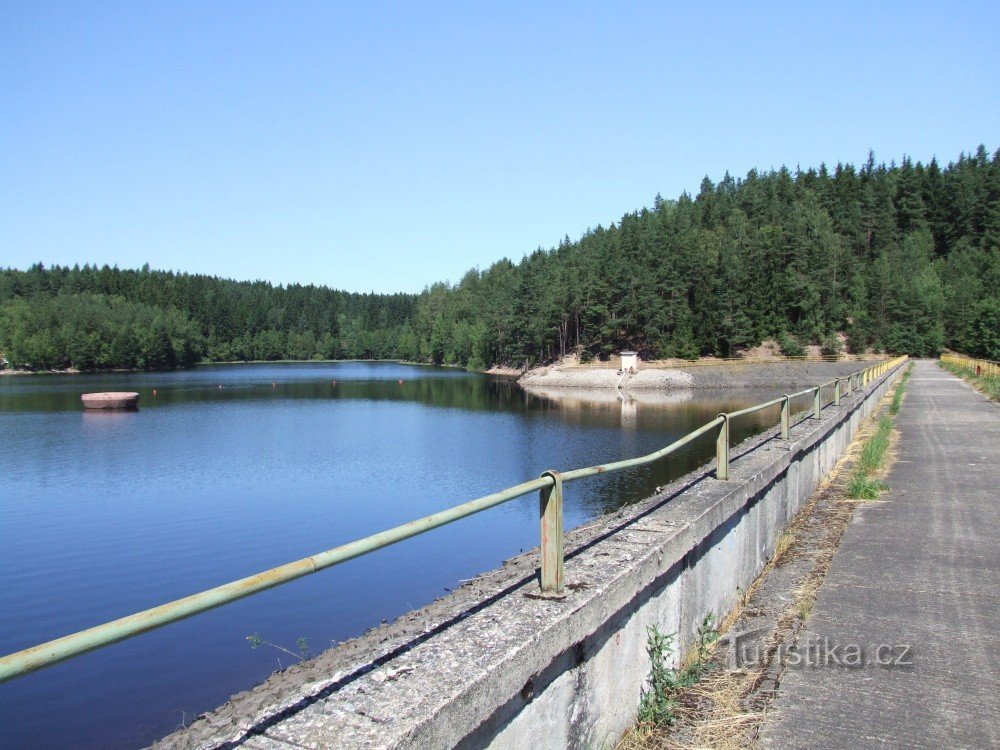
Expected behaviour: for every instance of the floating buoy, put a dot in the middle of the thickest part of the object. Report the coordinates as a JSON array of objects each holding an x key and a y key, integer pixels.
[{"x": 112, "y": 400}]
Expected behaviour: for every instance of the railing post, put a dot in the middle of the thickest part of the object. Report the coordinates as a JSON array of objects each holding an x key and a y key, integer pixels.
[
  {"x": 722, "y": 450},
  {"x": 818, "y": 403},
  {"x": 784, "y": 417},
  {"x": 550, "y": 512},
  {"x": 836, "y": 393}
]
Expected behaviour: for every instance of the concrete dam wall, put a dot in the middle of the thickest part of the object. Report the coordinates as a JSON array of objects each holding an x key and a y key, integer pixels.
[{"x": 496, "y": 665}]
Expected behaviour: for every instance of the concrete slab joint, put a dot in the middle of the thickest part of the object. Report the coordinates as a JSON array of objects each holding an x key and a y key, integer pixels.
[{"x": 491, "y": 666}]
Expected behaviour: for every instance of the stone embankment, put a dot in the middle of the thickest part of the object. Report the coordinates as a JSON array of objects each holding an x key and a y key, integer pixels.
[{"x": 729, "y": 375}]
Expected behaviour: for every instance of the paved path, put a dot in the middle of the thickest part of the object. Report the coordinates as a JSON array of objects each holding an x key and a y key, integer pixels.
[{"x": 921, "y": 568}]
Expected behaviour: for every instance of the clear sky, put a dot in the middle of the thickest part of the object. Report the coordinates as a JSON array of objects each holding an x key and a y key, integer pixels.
[{"x": 383, "y": 147}]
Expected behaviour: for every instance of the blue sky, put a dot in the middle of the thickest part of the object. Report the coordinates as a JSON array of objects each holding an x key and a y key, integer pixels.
[{"x": 383, "y": 147}]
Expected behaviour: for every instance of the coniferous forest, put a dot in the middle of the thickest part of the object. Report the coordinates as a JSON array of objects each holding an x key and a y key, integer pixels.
[{"x": 902, "y": 258}]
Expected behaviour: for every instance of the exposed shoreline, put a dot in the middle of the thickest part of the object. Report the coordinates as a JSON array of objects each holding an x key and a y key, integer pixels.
[{"x": 777, "y": 374}]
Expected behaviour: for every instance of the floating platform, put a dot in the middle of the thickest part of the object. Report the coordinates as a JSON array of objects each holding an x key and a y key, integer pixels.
[{"x": 110, "y": 400}]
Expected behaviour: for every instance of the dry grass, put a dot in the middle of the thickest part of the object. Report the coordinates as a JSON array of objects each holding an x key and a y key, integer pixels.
[
  {"x": 714, "y": 710},
  {"x": 784, "y": 546}
]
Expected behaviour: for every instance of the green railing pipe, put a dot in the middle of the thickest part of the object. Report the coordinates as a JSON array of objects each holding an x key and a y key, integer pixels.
[
  {"x": 630, "y": 462},
  {"x": 53, "y": 652},
  {"x": 758, "y": 407},
  {"x": 69, "y": 646}
]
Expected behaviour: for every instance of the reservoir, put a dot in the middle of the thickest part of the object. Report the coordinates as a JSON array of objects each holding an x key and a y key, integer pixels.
[{"x": 229, "y": 470}]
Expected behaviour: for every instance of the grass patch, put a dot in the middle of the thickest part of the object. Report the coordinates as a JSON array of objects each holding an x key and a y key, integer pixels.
[
  {"x": 873, "y": 451},
  {"x": 804, "y": 607},
  {"x": 897, "y": 398},
  {"x": 865, "y": 488},
  {"x": 988, "y": 385},
  {"x": 864, "y": 484}
]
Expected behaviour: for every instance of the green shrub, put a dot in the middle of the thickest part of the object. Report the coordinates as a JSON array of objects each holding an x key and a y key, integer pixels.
[
  {"x": 831, "y": 346},
  {"x": 789, "y": 345}
]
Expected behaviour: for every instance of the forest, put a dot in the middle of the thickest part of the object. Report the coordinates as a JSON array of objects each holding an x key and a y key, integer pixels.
[{"x": 903, "y": 258}]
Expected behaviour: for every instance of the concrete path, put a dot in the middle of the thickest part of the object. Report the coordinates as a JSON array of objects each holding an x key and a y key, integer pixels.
[{"x": 921, "y": 569}]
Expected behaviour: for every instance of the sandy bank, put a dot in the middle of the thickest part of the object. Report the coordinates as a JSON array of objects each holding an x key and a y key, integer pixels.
[
  {"x": 604, "y": 378},
  {"x": 730, "y": 375},
  {"x": 69, "y": 371}
]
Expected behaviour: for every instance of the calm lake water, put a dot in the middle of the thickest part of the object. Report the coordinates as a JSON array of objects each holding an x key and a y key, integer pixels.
[{"x": 104, "y": 514}]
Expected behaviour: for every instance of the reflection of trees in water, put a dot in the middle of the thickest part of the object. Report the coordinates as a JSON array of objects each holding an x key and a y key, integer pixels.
[
  {"x": 605, "y": 493},
  {"x": 653, "y": 418}
]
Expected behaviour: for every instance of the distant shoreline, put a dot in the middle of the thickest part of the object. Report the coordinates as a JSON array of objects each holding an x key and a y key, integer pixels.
[
  {"x": 566, "y": 366},
  {"x": 496, "y": 370}
]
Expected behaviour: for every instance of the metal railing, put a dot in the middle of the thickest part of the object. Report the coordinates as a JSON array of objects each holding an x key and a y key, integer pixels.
[
  {"x": 549, "y": 486},
  {"x": 985, "y": 367}
]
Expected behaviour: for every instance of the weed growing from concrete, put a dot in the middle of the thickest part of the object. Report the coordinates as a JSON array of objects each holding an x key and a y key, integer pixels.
[
  {"x": 658, "y": 704},
  {"x": 708, "y": 634}
]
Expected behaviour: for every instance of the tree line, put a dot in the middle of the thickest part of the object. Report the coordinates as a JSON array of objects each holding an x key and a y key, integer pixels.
[
  {"x": 104, "y": 318},
  {"x": 902, "y": 258}
]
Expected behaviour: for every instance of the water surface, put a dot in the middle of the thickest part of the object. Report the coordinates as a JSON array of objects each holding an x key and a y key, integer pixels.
[{"x": 105, "y": 514}]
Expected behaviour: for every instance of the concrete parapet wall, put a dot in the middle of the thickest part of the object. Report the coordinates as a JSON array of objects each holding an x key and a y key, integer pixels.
[{"x": 493, "y": 665}]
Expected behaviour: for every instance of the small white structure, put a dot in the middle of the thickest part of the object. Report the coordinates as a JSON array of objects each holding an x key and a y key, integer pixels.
[{"x": 630, "y": 361}]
